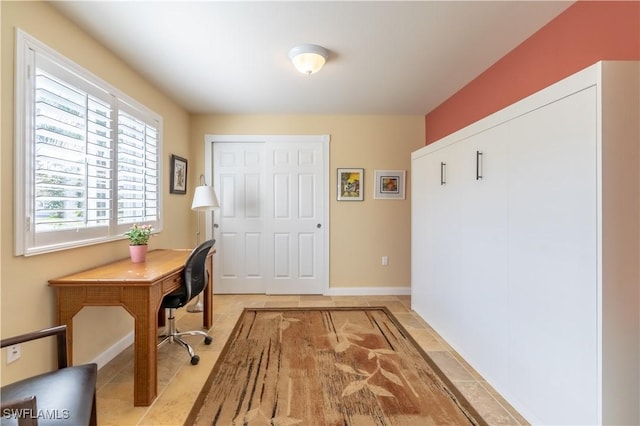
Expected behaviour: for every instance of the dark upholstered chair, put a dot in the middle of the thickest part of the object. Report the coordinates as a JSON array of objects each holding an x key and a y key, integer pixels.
[
  {"x": 66, "y": 396},
  {"x": 194, "y": 281}
]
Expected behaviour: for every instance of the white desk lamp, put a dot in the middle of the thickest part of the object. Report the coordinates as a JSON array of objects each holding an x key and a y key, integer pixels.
[{"x": 204, "y": 199}]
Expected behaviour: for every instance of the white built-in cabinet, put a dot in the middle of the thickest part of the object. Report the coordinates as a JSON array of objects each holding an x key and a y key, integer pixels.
[{"x": 525, "y": 247}]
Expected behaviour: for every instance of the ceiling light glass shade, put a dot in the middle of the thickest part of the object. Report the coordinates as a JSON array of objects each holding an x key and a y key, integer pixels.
[
  {"x": 204, "y": 199},
  {"x": 308, "y": 58}
]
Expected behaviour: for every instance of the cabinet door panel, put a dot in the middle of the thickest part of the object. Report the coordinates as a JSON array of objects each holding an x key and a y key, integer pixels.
[
  {"x": 420, "y": 218},
  {"x": 460, "y": 248},
  {"x": 434, "y": 236},
  {"x": 482, "y": 297},
  {"x": 552, "y": 222}
]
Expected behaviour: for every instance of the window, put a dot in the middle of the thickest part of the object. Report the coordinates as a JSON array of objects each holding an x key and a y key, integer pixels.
[{"x": 87, "y": 157}]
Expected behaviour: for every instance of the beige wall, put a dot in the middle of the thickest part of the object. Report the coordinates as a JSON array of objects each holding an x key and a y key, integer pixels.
[
  {"x": 27, "y": 303},
  {"x": 361, "y": 232}
]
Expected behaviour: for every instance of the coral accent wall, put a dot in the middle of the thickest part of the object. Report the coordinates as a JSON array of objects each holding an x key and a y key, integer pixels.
[{"x": 585, "y": 33}]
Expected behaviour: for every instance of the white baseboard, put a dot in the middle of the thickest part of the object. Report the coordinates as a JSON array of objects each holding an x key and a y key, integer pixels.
[
  {"x": 114, "y": 350},
  {"x": 368, "y": 291}
]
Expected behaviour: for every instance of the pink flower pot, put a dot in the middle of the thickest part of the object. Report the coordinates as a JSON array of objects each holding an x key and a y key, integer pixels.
[{"x": 138, "y": 253}]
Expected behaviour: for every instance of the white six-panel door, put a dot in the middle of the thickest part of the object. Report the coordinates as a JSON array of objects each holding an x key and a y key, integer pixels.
[{"x": 272, "y": 224}]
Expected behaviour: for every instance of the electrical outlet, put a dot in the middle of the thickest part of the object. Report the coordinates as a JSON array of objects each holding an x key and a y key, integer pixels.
[
  {"x": 13, "y": 353},
  {"x": 385, "y": 260}
]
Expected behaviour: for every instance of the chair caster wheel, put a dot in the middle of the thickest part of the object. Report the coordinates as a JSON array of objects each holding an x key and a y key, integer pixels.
[
  {"x": 195, "y": 359},
  {"x": 208, "y": 340}
]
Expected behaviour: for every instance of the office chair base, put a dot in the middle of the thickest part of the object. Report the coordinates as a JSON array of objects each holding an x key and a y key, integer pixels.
[{"x": 173, "y": 336}]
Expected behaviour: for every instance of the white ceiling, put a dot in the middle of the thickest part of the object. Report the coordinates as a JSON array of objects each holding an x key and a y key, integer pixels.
[{"x": 387, "y": 57}]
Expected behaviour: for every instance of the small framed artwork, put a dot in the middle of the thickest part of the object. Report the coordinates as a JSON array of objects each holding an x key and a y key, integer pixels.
[
  {"x": 178, "y": 175},
  {"x": 389, "y": 184},
  {"x": 350, "y": 184}
]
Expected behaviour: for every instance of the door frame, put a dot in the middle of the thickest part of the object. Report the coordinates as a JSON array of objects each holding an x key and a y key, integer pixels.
[{"x": 210, "y": 139}]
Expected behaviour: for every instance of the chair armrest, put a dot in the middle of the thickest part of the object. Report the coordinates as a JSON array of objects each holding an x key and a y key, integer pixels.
[{"x": 61, "y": 335}]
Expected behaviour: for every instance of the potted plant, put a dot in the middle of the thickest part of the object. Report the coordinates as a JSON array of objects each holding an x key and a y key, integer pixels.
[{"x": 138, "y": 242}]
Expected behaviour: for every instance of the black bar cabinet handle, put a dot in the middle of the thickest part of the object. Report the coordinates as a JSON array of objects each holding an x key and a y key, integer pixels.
[
  {"x": 442, "y": 171},
  {"x": 478, "y": 164}
]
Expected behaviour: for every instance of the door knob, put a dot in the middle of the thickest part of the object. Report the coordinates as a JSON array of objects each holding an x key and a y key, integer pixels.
[{"x": 319, "y": 226}]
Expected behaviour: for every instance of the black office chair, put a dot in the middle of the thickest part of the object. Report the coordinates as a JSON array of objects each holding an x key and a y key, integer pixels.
[{"x": 194, "y": 281}]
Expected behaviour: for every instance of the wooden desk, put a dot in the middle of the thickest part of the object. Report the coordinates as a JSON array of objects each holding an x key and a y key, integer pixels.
[{"x": 139, "y": 288}]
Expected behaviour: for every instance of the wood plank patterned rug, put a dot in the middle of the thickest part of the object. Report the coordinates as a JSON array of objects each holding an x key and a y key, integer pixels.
[{"x": 326, "y": 366}]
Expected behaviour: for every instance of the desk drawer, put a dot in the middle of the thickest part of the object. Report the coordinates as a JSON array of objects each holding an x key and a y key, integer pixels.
[{"x": 171, "y": 283}]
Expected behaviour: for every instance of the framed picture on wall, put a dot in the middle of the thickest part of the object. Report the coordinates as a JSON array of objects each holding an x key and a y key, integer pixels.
[
  {"x": 178, "y": 184},
  {"x": 350, "y": 184},
  {"x": 389, "y": 184}
]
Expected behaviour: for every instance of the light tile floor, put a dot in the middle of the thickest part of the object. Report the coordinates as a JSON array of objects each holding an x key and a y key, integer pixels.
[{"x": 179, "y": 382}]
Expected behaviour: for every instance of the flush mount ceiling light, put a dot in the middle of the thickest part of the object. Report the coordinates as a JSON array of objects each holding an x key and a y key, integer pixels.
[{"x": 308, "y": 58}]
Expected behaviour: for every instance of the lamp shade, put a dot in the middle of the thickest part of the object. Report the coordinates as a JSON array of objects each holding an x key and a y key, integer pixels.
[
  {"x": 308, "y": 58},
  {"x": 204, "y": 199}
]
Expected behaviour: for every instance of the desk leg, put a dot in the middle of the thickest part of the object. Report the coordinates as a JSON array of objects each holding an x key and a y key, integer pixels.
[
  {"x": 143, "y": 304},
  {"x": 69, "y": 302}
]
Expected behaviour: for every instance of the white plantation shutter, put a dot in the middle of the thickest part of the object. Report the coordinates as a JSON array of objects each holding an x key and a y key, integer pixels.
[
  {"x": 91, "y": 156},
  {"x": 73, "y": 156},
  {"x": 137, "y": 170}
]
